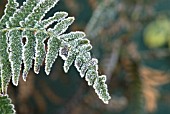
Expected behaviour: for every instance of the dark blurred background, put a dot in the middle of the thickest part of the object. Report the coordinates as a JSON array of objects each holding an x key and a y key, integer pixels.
[{"x": 131, "y": 39}]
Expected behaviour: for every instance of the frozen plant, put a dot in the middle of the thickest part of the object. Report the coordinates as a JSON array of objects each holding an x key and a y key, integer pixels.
[{"x": 27, "y": 22}]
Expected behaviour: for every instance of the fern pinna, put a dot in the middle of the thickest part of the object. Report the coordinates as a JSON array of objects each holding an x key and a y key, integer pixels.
[
  {"x": 6, "y": 107},
  {"x": 27, "y": 22}
]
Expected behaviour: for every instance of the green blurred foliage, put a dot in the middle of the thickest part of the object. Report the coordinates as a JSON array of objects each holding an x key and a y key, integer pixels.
[{"x": 157, "y": 33}]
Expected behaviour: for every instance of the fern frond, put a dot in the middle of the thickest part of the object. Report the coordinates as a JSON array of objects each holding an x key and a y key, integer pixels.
[
  {"x": 101, "y": 88},
  {"x": 73, "y": 52},
  {"x": 58, "y": 16},
  {"x": 5, "y": 65},
  {"x": 39, "y": 12},
  {"x": 62, "y": 26},
  {"x": 21, "y": 13},
  {"x": 41, "y": 37},
  {"x": 74, "y": 39},
  {"x": 27, "y": 22},
  {"x": 11, "y": 7},
  {"x": 82, "y": 59},
  {"x": 28, "y": 51},
  {"x": 54, "y": 42},
  {"x": 15, "y": 53},
  {"x": 6, "y": 106},
  {"x": 52, "y": 53},
  {"x": 39, "y": 50}
]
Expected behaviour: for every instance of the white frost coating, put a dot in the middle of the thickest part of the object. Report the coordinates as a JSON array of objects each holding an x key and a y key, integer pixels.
[
  {"x": 68, "y": 62},
  {"x": 10, "y": 8},
  {"x": 91, "y": 76},
  {"x": 87, "y": 65},
  {"x": 38, "y": 6},
  {"x": 76, "y": 42},
  {"x": 5, "y": 69},
  {"x": 15, "y": 60},
  {"x": 28, "y": 52},
  {"x": 15, "y": 2},
  {"x": 2, "y": 82},
  {"x": 85, "y": 60},
  {"x": 40, "y": 0},
  {"x": 71, "y": 47},
  {"x": 84, "y": 48},
  {"x": 23, "y": 57},
  {"x": 58, "y": 16},
  {"x": 64, "y": 51},
  {"x": 80, "y": 59},
  {"x": 71, "y": 55},
  {"x": 39, "y": 50},
  {"x": 62, "y": 26},
  {"x": 73, "y": 35},
  {"x": 101, "y": 89},
  {"x": 52, "y": 53},
  {"x": 26, "y": 37},
  {"x": 78, "y": 62},
  {"x": 48, "y": 8}
]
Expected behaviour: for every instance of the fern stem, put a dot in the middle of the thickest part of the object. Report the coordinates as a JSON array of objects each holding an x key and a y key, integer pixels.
[{"x": 25, "y": 28}]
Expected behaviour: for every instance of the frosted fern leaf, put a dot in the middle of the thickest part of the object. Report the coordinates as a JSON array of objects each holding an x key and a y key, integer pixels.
[
  {"x": 6, "y": 106},
  {"x": 27, "y": 22}
]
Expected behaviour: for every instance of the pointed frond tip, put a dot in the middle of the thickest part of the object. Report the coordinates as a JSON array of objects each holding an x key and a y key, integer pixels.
[
  {"x": 101, "y": 89},
  {"x": 27, "y": 39}
]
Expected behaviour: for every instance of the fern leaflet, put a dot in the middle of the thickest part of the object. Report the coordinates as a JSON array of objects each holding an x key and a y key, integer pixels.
[{"x": 6, "y": 107}]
